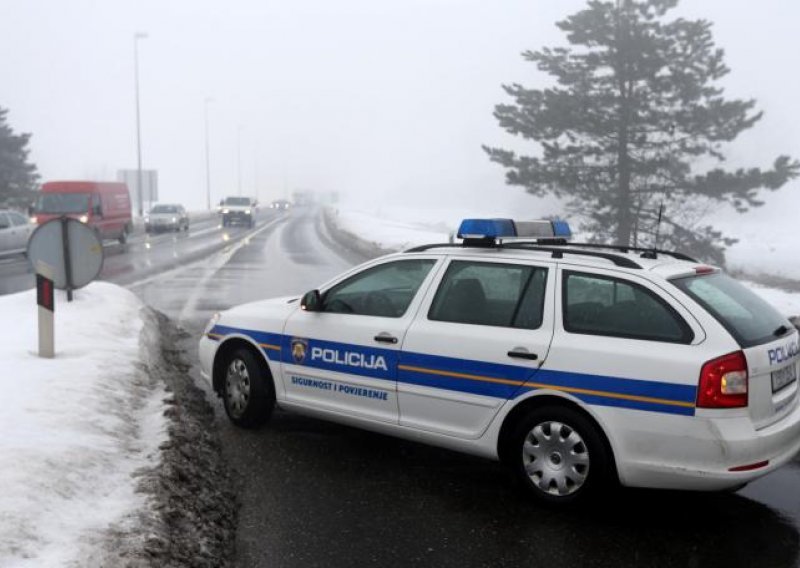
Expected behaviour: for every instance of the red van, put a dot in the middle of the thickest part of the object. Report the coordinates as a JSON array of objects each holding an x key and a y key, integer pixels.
[{"x": 103, "y": 205}]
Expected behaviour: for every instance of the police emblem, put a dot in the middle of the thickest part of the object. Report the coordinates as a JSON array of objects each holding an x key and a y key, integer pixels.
[{"x": 299, "y": 348}]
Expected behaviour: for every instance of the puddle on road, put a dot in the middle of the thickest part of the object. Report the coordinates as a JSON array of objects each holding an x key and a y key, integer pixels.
[{"x": 780, "y": 490}]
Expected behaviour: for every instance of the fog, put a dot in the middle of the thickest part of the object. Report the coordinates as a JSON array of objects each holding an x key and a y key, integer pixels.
[{"x": 382, "y": 101}]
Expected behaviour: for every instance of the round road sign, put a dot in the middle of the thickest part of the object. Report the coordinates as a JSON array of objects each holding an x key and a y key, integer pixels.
[{"x": 81, "y": 259}]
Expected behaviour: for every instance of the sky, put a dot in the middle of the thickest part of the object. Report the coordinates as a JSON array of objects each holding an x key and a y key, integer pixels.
[{"x": 383, "y": 101}]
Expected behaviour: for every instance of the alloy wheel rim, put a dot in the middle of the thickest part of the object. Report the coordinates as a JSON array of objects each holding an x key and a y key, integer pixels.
[
  {"x": 555, "y": 458},
  {"x": 237, "y": 387}
]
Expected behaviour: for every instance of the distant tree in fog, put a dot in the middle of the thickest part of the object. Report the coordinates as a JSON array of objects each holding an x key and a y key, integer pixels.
[
  {"x": 18, "y": 177},
  {"x": 635, "y": 103}
]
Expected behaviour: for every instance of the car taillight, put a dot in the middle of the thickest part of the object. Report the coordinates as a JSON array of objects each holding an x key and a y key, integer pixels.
[{"x": 723, "y": 382}]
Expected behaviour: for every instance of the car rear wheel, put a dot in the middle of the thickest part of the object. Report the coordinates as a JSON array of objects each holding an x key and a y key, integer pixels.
[
  {"x": 558, "y": 455},
  {"x": 247, "y": 389}
]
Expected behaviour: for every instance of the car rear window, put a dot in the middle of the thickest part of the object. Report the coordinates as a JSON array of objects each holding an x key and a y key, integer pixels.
[
  {"x": 748, "y": 318},
  {"x": 237, "y": 201}
]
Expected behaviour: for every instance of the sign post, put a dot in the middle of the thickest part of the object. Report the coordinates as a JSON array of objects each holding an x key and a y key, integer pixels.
[
  {"x": 67, "y": 255},
  {"x": 45, "y": 298}
]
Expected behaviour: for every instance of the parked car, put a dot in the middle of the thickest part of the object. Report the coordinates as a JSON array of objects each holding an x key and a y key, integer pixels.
[
  {"x": 166, "y": 217},
  {"x": 238, "y": 211},
  {"x": 15, "y": 229},
  {"x": 580, "y": 365},
  {"x": 104, "y": 206}
]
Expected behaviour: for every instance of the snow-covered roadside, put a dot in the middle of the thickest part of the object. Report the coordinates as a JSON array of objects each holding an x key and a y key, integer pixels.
[
  {"x": 77, "y": 431},
  {"x": 402, "y": 228}
]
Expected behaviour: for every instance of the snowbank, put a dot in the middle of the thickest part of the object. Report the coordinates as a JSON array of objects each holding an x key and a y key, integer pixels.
[
  {"x": 75, "y": 430},
  {"x": 391, "y": 234},
  {"x": 398, "y": 228}
]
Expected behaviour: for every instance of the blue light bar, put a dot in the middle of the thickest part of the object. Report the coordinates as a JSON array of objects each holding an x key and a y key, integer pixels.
[
  {"x": 490, "y": 229},
  {"x": 486, "y": 229},
  {"x": 561, "y": 230}
]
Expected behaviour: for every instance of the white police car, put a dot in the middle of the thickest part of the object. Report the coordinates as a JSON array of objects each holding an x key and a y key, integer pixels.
[{"x": 578, "y": 365}]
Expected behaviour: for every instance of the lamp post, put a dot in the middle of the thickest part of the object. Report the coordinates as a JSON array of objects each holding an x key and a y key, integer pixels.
[
  {"x": 208, "y": 156},
  {"x": 239, "y": 157},
  {"x": 136, "y": 37}
]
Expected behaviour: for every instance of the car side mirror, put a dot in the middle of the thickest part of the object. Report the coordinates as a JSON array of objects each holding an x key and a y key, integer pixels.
[
  {"x": 31, "y": 210},
  {"x": 311, "y": 301},
  {"x": 97, "y": 210}
]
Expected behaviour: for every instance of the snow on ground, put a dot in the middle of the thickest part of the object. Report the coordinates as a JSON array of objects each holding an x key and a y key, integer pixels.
[
  {"x": 764, "y": 248},
  {"x": 74, "y": 430}
]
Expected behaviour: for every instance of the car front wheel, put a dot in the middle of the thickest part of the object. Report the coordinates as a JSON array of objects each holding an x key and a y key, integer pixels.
[
  {"x": 247, "y": 389},
  {"x": 559, "y": 455}
]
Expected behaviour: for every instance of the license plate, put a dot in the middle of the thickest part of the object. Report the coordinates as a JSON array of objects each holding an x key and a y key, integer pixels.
[{"x": 782, "y": 378}]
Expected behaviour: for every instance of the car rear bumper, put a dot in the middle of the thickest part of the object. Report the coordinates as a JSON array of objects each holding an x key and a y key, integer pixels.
[{"x": 697, "y": 453}]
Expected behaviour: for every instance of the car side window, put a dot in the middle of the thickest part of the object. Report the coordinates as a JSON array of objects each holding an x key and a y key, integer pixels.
[
  {"x": 5, "y": 223},
  {"x": 488, "y": 293},
  {"x": 385, "y": 290},
  {"x": 17, "y": 219},
  {"x": 601, "y": 305}
]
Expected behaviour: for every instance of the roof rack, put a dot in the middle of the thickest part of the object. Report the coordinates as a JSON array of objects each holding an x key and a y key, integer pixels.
[
  {"x": 559, "y": 252},
  {"x": 646, "y": 252},
  {"x": 556, "y": 251}
]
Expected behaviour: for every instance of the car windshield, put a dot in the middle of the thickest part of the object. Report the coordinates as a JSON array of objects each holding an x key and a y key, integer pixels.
[
  {"x": 63, "y": 203},
  {"x": 164, "y": 209},
  {"x": 747, "y": 317},
  {"x": 237, "y": 201}
]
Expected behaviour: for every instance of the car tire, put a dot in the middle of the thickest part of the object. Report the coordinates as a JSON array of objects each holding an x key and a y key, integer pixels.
[
  {"x": 558, "y": 455},
  {"x": 248, "y": 392}
]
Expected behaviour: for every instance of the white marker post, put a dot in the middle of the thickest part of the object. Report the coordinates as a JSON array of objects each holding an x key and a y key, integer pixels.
[{"x": 45, "y": 298}]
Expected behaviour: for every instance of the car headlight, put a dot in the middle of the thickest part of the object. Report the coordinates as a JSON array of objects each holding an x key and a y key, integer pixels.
[
  {"x": 225, "y": 211},
  {"x": 247, "y": 212},
  {"x": 174, "y": 219},
  {"x": 83, "y": 218},
  {"x": 147, "y": 219},
  {"x": 211, "y": 323}
]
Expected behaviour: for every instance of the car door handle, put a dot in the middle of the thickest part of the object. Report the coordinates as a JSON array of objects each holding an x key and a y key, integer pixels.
[
  {"x": 523, "y": 355},
  {"x": 386, "y": 338}
]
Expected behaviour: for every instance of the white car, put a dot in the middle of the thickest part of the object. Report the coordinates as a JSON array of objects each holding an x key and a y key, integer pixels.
[
  {"x": 239, "y": 210},
  {"x": 166, "y": 217},
  {"x": 577, "y": 365},
  {"x": 15, "y": 230}
]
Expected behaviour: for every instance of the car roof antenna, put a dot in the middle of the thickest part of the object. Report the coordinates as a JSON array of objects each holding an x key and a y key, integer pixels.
[{"x": 658, "y": 227}]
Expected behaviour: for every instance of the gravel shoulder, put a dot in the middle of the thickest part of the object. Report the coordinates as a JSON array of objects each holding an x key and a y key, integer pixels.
[{"x": 191, "y": 520}]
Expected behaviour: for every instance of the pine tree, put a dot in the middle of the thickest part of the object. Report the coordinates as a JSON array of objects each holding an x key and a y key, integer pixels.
[
  {"x": 18, "y": 177},
  {"x": 636, "y": 118}
]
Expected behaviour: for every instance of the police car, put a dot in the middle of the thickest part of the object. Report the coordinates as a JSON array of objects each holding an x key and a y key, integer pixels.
[{"x": 579, "y": 365}]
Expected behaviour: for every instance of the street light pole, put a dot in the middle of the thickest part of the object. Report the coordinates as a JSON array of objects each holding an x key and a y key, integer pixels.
[
  {"x": 136, "y": 37},
  {"x": 208, "y": 157},
  {"x": 239, "y": 157}
]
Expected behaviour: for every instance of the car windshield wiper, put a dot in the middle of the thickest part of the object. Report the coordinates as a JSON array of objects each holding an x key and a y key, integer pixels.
[{"x": 780, "y": 331}]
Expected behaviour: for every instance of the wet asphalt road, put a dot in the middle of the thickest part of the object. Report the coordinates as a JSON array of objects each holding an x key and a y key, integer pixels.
[
  {"x": 319, "y": 494},
  {"x": 144, "y": 255}
]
